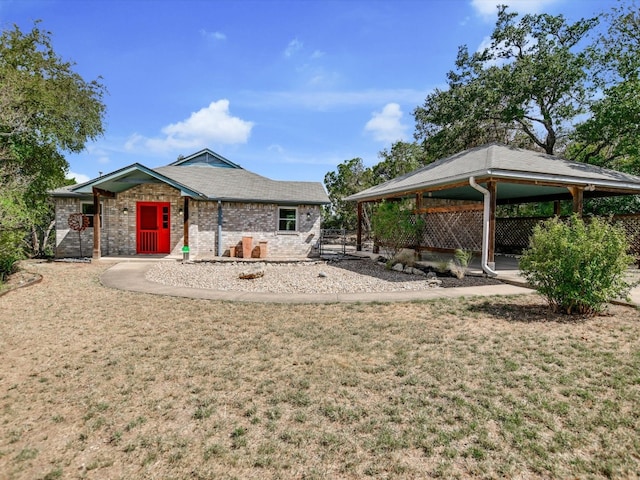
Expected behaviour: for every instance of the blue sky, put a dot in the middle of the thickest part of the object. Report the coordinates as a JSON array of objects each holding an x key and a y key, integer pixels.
[{"x": 286, "y": 89}]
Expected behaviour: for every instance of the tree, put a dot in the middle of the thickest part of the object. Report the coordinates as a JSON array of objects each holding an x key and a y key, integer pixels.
[
  {"x": 529, "y": 82},
  {"x": 610, "y": 137},
  {"x": 402, "y": 158},
  {"x": 350, "y": 177},
  {"x": 46, "y": 109}
]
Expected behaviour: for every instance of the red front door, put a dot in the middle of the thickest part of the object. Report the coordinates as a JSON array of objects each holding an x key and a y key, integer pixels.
[{"x": 153, "y": 227}]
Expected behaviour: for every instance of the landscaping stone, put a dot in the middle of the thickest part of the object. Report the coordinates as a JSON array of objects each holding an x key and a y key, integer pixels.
[{"x": 251, "y": 274}]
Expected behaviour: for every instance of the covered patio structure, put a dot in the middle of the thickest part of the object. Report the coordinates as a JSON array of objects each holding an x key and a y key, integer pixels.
[{"x": 481, "y": 178}]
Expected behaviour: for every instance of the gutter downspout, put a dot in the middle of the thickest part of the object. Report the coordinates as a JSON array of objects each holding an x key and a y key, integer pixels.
[
  {"x": 485, "y": 227},
  {"x": 220, "y": 250}
]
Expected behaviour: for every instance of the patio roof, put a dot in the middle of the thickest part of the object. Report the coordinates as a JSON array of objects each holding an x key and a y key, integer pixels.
[
  {"x": 124, "y": 179},
  {"x": 521, "y": 176}
]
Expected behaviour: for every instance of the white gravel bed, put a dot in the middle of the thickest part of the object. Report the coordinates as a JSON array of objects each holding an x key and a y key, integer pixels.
[{"x": 347, "y": 276}]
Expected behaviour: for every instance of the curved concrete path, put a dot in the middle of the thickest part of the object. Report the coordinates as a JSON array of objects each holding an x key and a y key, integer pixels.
[{"x": 130, "y": 275}]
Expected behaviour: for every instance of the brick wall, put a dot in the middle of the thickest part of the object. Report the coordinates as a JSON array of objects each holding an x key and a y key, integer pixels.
[{"x": 259, "y": 221}]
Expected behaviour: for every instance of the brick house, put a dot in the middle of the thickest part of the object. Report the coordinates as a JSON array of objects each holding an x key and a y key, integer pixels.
[{"x": 203, "y": 202}]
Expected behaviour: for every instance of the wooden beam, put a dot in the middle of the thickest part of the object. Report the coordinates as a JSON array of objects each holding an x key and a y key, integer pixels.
[
  {"x": 452, "y": 208},
  {"x": 96, "y": 223},
  {"x": 493, "y": 194},
  {"x": 359, "y": 229},
  {"x": 577, "y": 193},
  {"x": 103, "y": 193},
  {"x": 185, "y": 218}
]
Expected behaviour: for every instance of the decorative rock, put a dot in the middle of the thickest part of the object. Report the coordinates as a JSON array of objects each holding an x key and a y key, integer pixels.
[
  {"x": 251, "y": 274},
  {"x": 431, "y": 275},
  {"x": 322, "y": 275},
  {"x": 398, "y": 267},
  {"x": 417, "y": 271}
]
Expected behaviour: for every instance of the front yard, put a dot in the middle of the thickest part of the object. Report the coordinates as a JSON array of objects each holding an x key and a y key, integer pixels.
[{"x": 98, "y": 383}]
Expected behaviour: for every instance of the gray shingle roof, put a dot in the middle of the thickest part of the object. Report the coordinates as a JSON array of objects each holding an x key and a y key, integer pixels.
[
  {"x": 240, "y": 185},
  {"x": 504, "y": 164},
  {"x": 204, "y": 180}
]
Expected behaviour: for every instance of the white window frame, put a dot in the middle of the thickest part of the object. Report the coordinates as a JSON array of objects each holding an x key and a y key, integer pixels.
[{"x": 280, "y": 218}]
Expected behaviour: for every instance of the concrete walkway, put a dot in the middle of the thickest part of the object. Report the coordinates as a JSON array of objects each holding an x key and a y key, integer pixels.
[{"x": 129, "y": 274}]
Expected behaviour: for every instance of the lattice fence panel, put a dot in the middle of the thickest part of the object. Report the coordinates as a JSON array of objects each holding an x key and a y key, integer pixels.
[
  {"x": 631, "y": 225},
  {"x": 512, "y": 234},
  {"x": 451, "y": 230}
]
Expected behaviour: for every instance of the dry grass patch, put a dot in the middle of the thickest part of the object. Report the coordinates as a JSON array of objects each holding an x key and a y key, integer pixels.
[{"x": 98, "y": 383}]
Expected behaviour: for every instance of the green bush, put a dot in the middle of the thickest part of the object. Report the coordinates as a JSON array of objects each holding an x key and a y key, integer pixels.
[
  {"x": 396, "y": 227},
  {"x": 10, "y": 254},
  {"x": 578, "y": 267}
]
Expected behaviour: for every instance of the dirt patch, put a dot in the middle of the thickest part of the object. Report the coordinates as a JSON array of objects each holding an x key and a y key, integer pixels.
[{"x": 102, "y": 383}]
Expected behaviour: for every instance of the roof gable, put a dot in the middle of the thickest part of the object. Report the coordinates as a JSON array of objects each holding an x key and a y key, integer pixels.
[
  {"x": 205, "y": 158},
  {"x": 124, "y": 179}
]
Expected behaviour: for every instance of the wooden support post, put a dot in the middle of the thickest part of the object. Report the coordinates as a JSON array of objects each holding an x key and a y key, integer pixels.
[
  {"x": 419, "y": 235},
  {"x": 97, "y": 193},
  {"x": 185, "y": 218},
  {"x": 96, "y": 224},
  {"x": 578, "y": 199},
  {"x": 556, "y": 208},
  {"x": 359, "y": 230},
  {"x": 493, "y": 189}
]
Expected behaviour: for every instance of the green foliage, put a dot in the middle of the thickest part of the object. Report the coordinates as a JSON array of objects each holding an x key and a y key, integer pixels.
[
  {"x": 520, "y": 90},
  {"x": 460, "y": 262},
  {"x": 400, "y": 159},
  {"x": 578, "y": 267},
  {"x": 46, "y": 109},
  {"x": 350, "y": 177},
  {"x": 396, "y": 227},
  {"x": 610, "y": 137},
  {"x": 14, "y": 220}
]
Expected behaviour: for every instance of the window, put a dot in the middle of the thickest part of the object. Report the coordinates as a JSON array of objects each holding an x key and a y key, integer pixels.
[
  {"x": 87, "y": 209},
  {"x": 287, "y": 219}
]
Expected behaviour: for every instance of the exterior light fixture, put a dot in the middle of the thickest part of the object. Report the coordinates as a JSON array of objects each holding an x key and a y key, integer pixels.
[
  {"x": 180, "y": 211},
  {"x": 125, "y": 211},
  {"x": 308, "y": 216}
]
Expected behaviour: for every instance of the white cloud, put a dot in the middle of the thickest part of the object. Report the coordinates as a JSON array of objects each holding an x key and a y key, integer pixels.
[
  {"x": 212, "y": 124},
  {"x": 213, "y": 36},
  {"x": 294, "y": 46},
  {"x": 386, "y": 126},
  {"x": 79, "y": 177},
  {"x": 275, "y": 148},
  {"x": 488, "y": 8}
]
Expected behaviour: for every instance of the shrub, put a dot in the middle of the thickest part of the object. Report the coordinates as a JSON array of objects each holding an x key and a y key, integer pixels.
[
  {"x": 578, "y": 267},
  {"x": 9, "y": 253},
  {"x": 396, "y": 227},
  {"x": 460, "y": 262}
]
